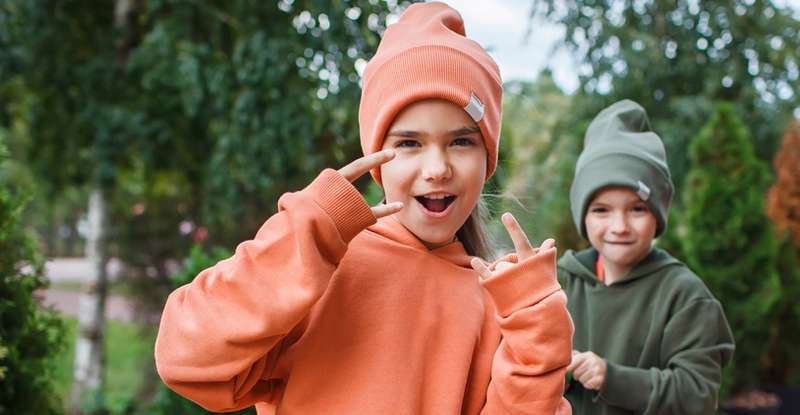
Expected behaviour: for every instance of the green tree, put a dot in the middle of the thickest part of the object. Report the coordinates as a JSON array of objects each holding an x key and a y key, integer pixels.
[
  {"x": 728, "y": 240},
  {"x": 178, "y": 111},
  {"x": 30, "y": 336},
  {"x": 542, "y": 159},
  {"x": 677, "y": 57}
]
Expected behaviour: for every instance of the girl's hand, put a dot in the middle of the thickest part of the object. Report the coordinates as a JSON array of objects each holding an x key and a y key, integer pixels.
[
  {"x": 360, "y": 166},
  {"x": 589, "y": 369},
  {"x": 523, "y": 248}
]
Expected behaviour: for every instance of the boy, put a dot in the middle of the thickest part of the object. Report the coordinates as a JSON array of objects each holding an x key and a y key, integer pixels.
[{"x": 649, "y": 336}]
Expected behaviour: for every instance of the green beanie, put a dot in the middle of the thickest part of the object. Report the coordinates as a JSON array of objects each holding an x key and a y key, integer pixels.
[{"x": 620, "y": 149}]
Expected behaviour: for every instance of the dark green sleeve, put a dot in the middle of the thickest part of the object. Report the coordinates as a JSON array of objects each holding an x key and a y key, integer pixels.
[{"x": 697, "y": 343}]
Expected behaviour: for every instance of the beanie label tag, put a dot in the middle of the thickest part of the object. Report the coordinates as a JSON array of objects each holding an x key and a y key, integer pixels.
[
  {"x": 643, "y": 192},
  {"x": 475, "y": 108}
]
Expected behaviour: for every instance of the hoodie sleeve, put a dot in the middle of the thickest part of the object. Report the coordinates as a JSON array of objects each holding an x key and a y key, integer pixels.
[
  {"x": 530, "y": 363},
  {"x": 697, "y": 344},
  {"x": 218, "y": 336}
]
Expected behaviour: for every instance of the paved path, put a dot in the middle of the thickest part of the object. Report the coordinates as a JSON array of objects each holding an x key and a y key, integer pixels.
[
  {"x": 67, "y": 302},
  {"x": 76, "y": 269},
  {"x": 72, "y": 270}
]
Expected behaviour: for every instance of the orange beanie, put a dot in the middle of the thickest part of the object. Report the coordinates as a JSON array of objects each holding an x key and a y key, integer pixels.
[{"x": 426, "y": 55}]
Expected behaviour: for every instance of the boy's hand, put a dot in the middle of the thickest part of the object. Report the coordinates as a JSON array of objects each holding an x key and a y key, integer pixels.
[
  {"x": 361, "y": 166},
  {"x": 589, "y": 369},
  {"x": 523, "y": 248}
]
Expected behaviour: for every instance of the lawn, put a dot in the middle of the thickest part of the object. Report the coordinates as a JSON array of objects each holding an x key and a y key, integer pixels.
[{"x": 129, "y": 360}]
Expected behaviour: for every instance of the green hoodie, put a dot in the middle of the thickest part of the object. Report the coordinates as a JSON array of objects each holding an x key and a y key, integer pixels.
[{"x": 663, "y": 335}]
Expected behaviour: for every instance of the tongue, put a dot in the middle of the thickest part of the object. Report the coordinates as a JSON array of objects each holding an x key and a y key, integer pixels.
[{"x": 435, "y": 205}]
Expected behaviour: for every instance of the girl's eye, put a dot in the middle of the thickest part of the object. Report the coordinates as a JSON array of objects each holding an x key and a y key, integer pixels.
[
  {"x": 598, "y": 209},
  {"x": 407, "y": 143},
  {"x": 463, "y": 141},
  {"x": 641, "y": 208}
]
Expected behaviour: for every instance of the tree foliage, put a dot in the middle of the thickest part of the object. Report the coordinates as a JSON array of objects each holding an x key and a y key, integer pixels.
[
  {"x": 29, "y": 336},
  {"x": 542, "y": 159},
  {"x": 784, "y": 195},
  {"x": 676, "y": 58},
  {"x": 728, "y": 240},
  {"x": 238, "y": 102},
  {"x": 783, "y": 208}
]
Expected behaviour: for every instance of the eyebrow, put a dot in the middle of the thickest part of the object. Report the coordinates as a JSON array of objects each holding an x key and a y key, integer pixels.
[
  {"x": 403, "y": 133},
  {"x": 414, "y": 134},
  {"x": 465, "y": 131}
]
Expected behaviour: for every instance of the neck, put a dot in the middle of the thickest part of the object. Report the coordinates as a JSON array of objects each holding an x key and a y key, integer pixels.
[{"x": 614, "y": 272}]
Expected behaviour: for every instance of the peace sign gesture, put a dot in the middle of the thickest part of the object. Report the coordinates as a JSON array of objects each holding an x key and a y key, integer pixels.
[
  {"x": 361, "y": 166},
  {"x": 522, "y": 246}
]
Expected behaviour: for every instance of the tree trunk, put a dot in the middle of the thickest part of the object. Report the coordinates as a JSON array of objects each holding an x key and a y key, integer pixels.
[{"x": 88, "y": 378}]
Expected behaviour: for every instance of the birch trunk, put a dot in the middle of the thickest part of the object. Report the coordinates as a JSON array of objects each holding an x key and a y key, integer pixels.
[{"x": 88, "y": 376}]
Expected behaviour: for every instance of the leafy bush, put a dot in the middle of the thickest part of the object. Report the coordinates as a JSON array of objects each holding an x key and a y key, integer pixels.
[{"x": 29, "y": 336}]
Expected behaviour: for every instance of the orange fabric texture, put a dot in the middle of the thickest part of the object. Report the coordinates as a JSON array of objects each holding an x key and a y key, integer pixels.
[
  {"x": 302, "y": 320},
  {"x": 426, "y": 55}
]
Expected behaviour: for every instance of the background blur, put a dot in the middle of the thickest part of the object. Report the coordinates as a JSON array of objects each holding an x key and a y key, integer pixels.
[{"x": 141, "y": 140}]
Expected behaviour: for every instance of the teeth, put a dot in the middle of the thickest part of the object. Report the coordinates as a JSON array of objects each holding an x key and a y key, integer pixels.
[{"x": 437, "y": 196}]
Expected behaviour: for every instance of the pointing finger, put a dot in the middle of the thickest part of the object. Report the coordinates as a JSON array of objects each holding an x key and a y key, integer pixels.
[
  {"x": 386, "y": 209},
  {"x": 518, "y": 237},
  {"x": 360, "y": 166}
]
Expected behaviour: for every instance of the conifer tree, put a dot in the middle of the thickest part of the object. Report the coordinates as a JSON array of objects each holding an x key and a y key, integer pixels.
[{"x": 728, "y": 241}]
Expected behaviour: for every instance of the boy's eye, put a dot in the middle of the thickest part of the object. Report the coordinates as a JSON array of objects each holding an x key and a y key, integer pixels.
[
  {"x": 463, "y": 141},
  {"x": 598, "y": 209},
  {"x": 641, "y": 208},
  {"x": 407, "y": 143}
]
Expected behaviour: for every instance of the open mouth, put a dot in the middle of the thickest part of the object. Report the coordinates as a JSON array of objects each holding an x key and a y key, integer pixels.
[{"x": 435, "y": 204}]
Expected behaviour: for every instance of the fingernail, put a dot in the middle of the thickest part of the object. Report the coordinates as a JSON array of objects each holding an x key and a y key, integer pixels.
[{"x": 506, "y": 217}]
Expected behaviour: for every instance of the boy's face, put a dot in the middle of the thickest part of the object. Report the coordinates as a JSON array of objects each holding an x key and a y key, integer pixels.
[
  {"x": 620, "y": 226},
  {"x": 438, "y": 171}
]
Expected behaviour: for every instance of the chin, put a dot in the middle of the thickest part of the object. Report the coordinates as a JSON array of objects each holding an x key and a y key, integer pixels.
[{"x": 435, "y": 238}]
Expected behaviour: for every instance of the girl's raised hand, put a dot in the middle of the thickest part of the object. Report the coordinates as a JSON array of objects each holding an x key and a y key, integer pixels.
[
  {"x": 522, "y": 246},
  {"x": 361, "y": 166}
]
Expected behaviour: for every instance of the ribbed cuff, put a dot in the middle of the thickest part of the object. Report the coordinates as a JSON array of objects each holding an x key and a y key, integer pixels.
[
  {"x": 626, "y": 387},
  {"x": 524, "y": 284},
  {"x": 343, "y": 203}
]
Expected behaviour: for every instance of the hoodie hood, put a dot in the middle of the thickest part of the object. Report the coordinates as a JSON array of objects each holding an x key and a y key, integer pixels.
[
  {"x": 389, "y": 228},
  {"x": 582, "y": 264}
]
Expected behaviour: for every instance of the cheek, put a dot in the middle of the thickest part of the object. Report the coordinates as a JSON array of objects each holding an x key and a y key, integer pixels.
[
  {"x": 594, "y": 229},
  {"x": 396, "y": 177},
  {"x": 472, "y": 169},
  {"x": 646, "y": 227}
]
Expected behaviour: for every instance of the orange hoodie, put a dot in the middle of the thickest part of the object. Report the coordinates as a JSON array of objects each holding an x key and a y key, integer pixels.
[{"x": 317, "y": 315}]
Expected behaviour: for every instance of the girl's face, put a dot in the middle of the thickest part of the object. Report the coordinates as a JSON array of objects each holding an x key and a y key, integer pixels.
[
  {"x": 620, "y": 226},
  {"x": 438, "y": 171}
]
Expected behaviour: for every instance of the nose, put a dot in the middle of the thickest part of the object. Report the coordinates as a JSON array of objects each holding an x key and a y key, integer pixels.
[
  {"x": 619, "y": 223},
  {"x": 436, "y": 165}
]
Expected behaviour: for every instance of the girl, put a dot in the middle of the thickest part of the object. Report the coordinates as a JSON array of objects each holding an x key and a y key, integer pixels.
[{"x": 327, "y": 311}]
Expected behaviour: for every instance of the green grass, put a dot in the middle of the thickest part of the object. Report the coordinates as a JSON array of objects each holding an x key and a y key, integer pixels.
[
  {"x": 129, "y": 358},
  {"x": 114, "y": 287}
]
